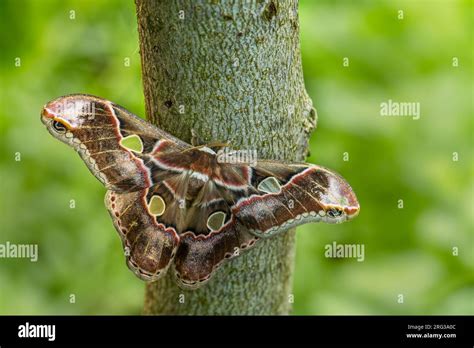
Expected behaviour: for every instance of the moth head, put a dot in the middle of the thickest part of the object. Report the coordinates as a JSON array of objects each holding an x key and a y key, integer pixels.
[{"x": 65, "y": 116}]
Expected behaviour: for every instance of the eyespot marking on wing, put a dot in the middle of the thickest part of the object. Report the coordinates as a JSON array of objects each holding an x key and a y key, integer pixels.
[
  {"x": 269, "y": 185},
  {"x": 133, "y": 143},
  {"x": 216, "y": 220},
  {"x": 157, "y": 205}
]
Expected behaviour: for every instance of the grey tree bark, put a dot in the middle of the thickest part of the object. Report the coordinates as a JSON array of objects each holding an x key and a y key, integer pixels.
[{"x": 230, "y": 70}]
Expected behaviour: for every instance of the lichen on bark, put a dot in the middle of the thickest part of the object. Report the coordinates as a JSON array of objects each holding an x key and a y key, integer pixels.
[{"x": 231, "y": 71}]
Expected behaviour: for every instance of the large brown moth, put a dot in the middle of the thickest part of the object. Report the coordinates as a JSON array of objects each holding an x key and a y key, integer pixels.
[{"x": 177, "y": 204}]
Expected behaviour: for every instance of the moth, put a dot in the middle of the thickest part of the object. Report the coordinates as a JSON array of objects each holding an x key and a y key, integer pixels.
[{"x": 174, "y": 204}]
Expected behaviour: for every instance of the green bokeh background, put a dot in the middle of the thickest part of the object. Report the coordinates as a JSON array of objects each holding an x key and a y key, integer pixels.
[{"x": 408, "y": 251}]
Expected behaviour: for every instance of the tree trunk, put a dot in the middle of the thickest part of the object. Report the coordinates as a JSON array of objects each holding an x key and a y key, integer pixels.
[{"x": 230, "y": 70}]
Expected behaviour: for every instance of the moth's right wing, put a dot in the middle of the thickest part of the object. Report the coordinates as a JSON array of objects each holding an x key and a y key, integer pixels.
[
  {"x": 149, "y": 246},
  {"x": 117, "y": 146}
]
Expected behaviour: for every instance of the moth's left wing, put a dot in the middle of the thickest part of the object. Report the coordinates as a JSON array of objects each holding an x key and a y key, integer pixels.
[
  {"x": 259, "y": 202},
  {"x": 199, "y": 256},
  {"x": 288, "y": 195}
]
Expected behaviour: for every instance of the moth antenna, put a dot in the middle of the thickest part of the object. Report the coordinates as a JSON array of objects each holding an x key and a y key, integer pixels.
[{"x": 211, "y": 145}]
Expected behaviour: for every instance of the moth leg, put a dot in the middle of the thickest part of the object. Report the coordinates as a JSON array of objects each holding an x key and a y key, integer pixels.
[
  {"x": 198, "y": 143},
  {"x": 196, "y": 140},
  {"x": 149, "y": 246}
]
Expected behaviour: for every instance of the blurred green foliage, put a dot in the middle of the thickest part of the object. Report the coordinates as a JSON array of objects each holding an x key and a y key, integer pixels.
[{"x": 408, "y": 251}]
